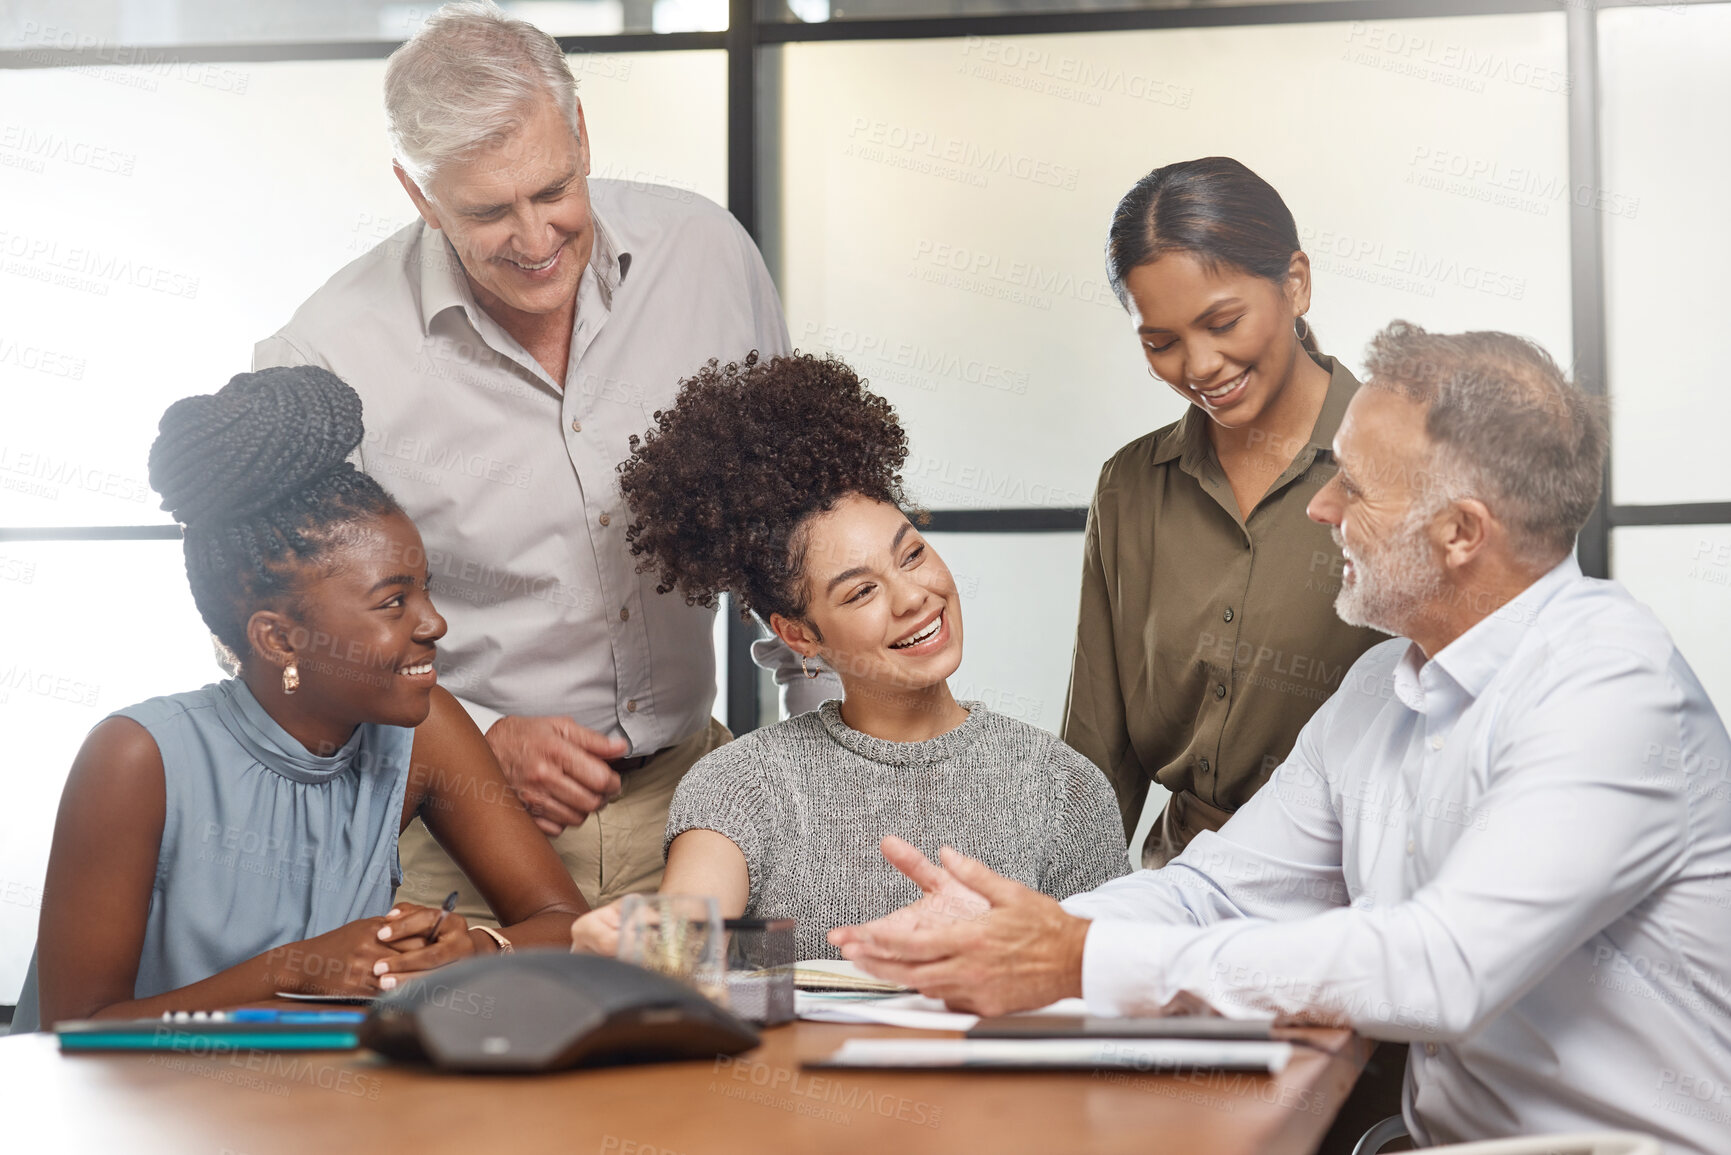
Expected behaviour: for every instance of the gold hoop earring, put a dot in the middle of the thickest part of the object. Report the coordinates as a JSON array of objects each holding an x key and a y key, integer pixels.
[
  {"x": 291, "y": 678},
  {"x": 1301, "y": 327},
  {"x": 809, "y": 672}
]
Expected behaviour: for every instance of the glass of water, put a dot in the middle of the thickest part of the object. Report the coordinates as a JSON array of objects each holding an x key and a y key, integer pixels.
[{"x": 677, "y": 935}]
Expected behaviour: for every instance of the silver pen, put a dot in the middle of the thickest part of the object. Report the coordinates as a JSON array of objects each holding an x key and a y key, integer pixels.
[{"x": 450, "y": 905}]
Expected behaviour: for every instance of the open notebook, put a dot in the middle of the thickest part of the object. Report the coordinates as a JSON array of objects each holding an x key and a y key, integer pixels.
[{"x": 838, "y": 976}]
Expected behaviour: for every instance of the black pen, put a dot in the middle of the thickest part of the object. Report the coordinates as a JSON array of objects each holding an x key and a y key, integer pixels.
[{"x": 450, "y": 905}]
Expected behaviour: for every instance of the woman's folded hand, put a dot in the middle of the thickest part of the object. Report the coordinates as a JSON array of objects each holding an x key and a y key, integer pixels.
[{"x": 405, "y": 931}]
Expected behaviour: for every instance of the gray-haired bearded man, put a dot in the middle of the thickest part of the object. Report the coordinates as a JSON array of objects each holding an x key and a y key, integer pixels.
[
  {"x": 1506, "y": 840},
  {"x": 506, "y": 346}
]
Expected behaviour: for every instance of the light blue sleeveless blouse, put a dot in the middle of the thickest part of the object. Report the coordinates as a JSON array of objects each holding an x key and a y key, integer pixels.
[{"x": 263, "y": 843}]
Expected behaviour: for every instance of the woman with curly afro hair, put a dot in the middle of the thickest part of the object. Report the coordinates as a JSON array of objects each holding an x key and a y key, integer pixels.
[
  {"x": 217, "y": 846},
  {"x": 777, "y": 482}
]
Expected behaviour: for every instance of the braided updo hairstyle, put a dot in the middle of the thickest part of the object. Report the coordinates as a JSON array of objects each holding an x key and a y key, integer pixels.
[
  {"x": 257, "y": 473},
  {"x": 721, "y": 486}
]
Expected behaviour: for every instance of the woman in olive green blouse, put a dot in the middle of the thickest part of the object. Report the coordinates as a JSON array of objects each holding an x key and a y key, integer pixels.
[{"x": 1207, "y": 634}]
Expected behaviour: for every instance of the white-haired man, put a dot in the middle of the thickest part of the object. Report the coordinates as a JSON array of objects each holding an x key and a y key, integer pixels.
[
  {"x": 1506, "y": 839},
  {"x": 507, "y": 346}
]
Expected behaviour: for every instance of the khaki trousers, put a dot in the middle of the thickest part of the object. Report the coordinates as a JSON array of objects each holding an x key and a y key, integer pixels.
[{"x": 615, "y": 852}]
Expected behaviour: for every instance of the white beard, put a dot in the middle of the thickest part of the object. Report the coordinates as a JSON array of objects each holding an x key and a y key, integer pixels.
[{"x": 1394, "y": 581}]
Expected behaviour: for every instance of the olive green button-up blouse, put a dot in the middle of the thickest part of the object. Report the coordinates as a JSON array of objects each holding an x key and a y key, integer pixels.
[{"x": 1206, "y": 640}]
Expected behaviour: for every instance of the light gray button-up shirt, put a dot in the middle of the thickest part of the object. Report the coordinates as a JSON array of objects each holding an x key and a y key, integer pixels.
[
  {"x": 1516, "y": 855},
  {"x": 510, "y": 475}
]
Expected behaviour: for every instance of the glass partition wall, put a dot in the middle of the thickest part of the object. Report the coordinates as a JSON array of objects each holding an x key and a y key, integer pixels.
[{"x": 931, "y": 185}]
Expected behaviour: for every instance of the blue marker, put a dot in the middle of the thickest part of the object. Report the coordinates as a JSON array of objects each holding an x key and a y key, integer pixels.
[{"x": 261, "y": 1015}]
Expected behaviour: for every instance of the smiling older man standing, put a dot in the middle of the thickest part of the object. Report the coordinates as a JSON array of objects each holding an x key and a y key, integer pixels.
[
  {"x": 1506, "y": 840},
  {"x": 506, "y": 347}
]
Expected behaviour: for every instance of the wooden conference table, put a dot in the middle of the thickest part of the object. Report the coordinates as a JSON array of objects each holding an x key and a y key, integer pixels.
[{"x": 758, "y": 1103}]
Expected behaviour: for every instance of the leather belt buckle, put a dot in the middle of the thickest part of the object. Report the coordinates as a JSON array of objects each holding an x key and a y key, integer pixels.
[{"x": 626, "y": 765}]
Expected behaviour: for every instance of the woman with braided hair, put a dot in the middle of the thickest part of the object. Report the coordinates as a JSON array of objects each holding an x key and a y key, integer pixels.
[
  {"x": 217, "y": 846},
  {"x": 777, "y": 482}
]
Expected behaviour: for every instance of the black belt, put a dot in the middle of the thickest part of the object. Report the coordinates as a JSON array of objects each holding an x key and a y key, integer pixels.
[{"x": 626, "y": 765}]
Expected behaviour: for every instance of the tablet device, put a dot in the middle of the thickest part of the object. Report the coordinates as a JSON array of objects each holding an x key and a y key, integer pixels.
[{"x": 1143, "y": 1055}]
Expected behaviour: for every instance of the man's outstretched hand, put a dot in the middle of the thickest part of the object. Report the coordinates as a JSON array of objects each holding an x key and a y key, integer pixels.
[{"x": 975, "y": 939}]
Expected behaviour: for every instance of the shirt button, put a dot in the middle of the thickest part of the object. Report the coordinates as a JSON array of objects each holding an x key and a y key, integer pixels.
[
  {"x": 1410, "y": 847},
  {"x": 576, "y": 426},
  {"x": 1220, "y": 689},
  {"x": 1430, "y": 1049},
  {"x": 624, "y": 613},
  {"x": 1228, "y": 614},
  {"x": 1436, "y": 743},
  {"x": 1205, "y": 765},
  {"x": 605, "y": 519},
  {"x": 631, "y": 705}
]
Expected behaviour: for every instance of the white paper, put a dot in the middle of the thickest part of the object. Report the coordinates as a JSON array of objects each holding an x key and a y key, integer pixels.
[{"x": 913, "y": 1011}]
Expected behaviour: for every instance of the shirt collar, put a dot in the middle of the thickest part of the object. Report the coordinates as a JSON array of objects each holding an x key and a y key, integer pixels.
[
  {"x": 610, "y": 264},
  {"x": 1474, "y": 658},
  {"x": 1341, "y": 387},
  {"x": 444, "y": 285},
  {"x": 1188, "y": 438}
]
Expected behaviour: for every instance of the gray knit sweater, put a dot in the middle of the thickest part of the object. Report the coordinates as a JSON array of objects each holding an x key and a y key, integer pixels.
[{"x": 807, "y": 800}]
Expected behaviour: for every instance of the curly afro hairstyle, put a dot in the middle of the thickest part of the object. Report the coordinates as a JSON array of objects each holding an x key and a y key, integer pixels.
[
  {"x": 258, "y": 475},
  {"x": 720, "y": 488}
]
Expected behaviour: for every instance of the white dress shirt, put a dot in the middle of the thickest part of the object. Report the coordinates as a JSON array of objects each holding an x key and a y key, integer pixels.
[
  {"x": 1517, "y": 856},
  {"x": 510, "y": 475}
]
